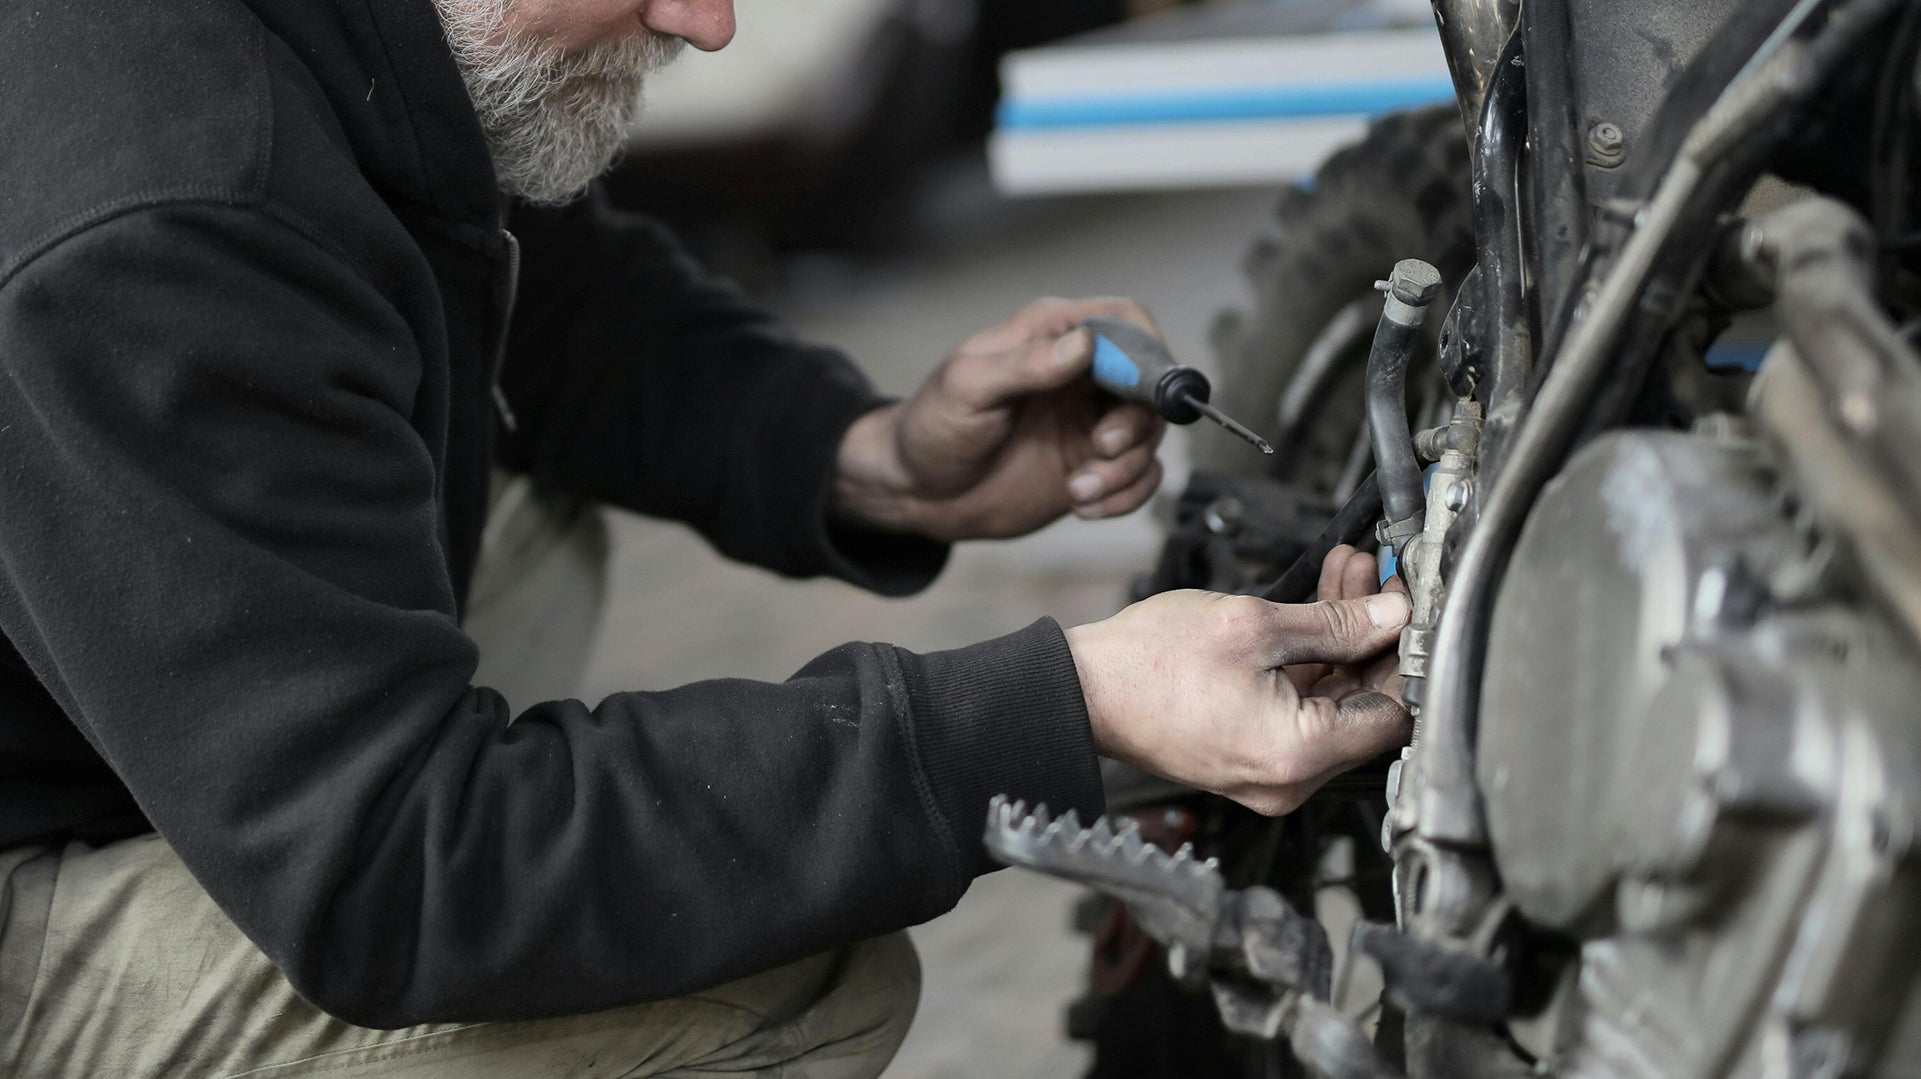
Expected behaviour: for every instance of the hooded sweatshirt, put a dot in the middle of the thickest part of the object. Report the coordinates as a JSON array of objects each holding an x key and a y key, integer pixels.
[{"x": 257, "y": 293}]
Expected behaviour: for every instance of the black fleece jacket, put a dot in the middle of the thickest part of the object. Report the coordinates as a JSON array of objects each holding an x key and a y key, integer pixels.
[{"x": 253, "y": 294}]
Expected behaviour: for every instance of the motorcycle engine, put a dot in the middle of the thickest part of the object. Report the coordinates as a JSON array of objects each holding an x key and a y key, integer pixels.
[{"x": 1700, "y": 749}]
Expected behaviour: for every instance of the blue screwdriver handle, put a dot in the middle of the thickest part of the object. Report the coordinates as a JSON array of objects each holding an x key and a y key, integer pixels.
[{"x": 1132, "y": 364}]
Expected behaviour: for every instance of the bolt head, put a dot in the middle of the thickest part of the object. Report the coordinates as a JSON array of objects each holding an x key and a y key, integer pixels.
[
  {"x": 1607, "y": 139},
  {"x": 1414, "y": 282}
]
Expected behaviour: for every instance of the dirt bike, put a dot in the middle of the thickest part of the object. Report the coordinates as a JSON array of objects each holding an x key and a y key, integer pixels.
[{"x": 1642, "y": 405}]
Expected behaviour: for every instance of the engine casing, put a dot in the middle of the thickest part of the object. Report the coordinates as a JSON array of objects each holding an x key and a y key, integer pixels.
[{"x": 1700, "y": 750}]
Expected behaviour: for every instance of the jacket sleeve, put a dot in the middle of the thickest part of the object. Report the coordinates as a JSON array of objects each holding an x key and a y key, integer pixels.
[
  {"x": 636, "y": 378},
  {"x": 220, "y": 551}
]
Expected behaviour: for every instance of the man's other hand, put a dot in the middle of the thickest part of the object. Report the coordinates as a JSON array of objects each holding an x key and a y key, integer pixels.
[
  {"x": 1008, "y": 434},
  {"x": 1261, "y": 702}
]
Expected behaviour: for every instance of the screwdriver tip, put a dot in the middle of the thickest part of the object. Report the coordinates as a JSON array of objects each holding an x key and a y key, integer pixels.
[{"x": 1233, "y": 426}]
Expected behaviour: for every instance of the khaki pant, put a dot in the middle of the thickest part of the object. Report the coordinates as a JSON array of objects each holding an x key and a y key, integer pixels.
[{"x": 114, "y": 962}]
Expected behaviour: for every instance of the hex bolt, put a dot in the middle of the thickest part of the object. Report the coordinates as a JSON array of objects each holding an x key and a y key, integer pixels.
[
  {"x": 1414, "y": 282},
  {"x": 1607, "y": 142}
]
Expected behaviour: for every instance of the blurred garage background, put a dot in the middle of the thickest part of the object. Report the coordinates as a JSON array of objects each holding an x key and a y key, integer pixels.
[{"x": 835, "y": 159}]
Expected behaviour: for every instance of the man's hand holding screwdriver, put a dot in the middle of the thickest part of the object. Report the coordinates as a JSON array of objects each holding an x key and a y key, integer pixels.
[{"x": 1007, "y": 435}]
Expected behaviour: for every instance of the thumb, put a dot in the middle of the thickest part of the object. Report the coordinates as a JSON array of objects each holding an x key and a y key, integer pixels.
[
  {"x": 1051, "y": 362},
  {"x": 986, "y": 380},
  {"x": 1338, "y": 631}
]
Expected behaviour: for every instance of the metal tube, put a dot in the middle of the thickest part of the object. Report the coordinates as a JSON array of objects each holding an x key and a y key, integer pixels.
[
  {"x": 1822, "y": 254},
  {"x": 1502, "y": 313},
  {"x": 1472, "y": 33},
  {"x": 1558, "y": 224}
]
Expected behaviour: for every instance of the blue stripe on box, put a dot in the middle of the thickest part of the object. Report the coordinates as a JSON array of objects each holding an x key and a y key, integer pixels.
[{"x": 1222, "y": 106}]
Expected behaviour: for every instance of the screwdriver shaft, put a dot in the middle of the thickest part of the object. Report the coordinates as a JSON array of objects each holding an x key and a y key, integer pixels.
[{"x": 1228, "y": 422}]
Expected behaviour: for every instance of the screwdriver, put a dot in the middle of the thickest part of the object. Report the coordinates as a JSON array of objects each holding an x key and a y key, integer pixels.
[{"x": 1132, "y": 364}]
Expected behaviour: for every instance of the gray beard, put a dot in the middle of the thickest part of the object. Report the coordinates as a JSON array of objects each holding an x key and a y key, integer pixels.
[{"x": 554, "y": 120}]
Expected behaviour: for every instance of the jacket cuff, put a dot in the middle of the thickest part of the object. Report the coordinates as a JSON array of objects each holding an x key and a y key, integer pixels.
[
  {"x": 1002, "y": 717},
  {"x": 889, "y": 563}
]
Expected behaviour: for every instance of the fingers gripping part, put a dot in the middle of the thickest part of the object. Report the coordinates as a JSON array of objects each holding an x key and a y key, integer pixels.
[
  {"x": 1334, "y": 574},
  {"x": 1341, "y": 631},
  {"x": 1367, "y": 724},
  {"x": 1358, "y": 577}
]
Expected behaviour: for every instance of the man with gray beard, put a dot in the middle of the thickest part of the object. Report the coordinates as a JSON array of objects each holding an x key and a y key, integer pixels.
[
  {"x": 280, "y": 282},
  {"x": 554, "y": 118}
]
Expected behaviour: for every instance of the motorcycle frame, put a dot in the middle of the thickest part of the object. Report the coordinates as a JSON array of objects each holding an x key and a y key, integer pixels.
[{"x": 1650, "y": 239}]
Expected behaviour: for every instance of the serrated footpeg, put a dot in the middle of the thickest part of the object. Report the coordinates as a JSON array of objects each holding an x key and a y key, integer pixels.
[{"x": 1268, "y": 966}]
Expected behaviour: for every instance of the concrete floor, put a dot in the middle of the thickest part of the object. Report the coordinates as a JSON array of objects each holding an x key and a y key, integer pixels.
[{"x": 1001, "y": 966}]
